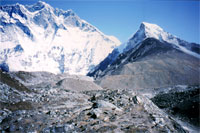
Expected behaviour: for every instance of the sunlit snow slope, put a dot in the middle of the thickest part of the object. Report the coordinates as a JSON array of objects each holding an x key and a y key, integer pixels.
[
  {"x": 148, "y": 30},
  {"x": 145, "y": 31},
  {"x": 41, "y": 38}
]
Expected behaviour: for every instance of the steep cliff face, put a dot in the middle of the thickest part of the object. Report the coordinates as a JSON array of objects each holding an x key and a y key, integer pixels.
[
  {"x": 154, "y": 64},
  {"x": 41, "y": 38},
  {"x": 152, "y": 58}
]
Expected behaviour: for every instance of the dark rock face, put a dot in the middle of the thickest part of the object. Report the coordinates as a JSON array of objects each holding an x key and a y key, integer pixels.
[
  {"x": 195, "y": 48},
  {"x": 12, "y": 82},
  {"x": 104, "y": 64},
  {"x": 4, "y": 67},
  {"x": 152, "y": 64},
  {"x": 49, "y": 106},
  {"x": 190, "y": 46}
]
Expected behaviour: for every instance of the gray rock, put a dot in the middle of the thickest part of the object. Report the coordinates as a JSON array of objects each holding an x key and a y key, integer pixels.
[
  {"x": 50, "y": 107},
  {"x": 153, "y": 65}
]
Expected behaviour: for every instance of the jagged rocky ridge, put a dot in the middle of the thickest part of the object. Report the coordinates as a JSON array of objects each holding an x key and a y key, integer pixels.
[
  {"x": 32, "y": 105},
  {"x": 40, "y": 38},
  {"x": 153, "y": 65},
  {"x": 152, "y": 58},
  {"x": 146, "y": 30}
]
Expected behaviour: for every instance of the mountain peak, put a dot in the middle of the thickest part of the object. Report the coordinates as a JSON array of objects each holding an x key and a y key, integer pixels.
[
  {"x": 52, "y": 35},
  {"x": 150, "y": 25},
  {"x": 38, "y": 6},
  {"x": 41, "y": 3},
  {"x": 148, "y": 30},
  {"x": 69, "y": 12},
  {"x": 151, "y": 30}
]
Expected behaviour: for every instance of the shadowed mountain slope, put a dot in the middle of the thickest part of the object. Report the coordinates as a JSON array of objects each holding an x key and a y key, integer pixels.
[{"x": 153, "y": 64}]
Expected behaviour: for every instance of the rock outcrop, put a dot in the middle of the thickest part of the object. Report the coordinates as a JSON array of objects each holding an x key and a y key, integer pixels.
[{"x": 47, "y": 105}]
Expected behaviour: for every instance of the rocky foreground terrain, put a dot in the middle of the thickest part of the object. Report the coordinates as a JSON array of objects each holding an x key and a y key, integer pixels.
[{"x": 44, "y": 102}]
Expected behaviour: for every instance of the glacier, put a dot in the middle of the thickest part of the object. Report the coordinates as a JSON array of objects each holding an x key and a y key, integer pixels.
[{"x": 40, "y": 38}]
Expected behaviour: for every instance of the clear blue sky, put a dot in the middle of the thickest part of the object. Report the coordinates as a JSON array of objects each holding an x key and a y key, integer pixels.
[{"x": 122, "y": 18}]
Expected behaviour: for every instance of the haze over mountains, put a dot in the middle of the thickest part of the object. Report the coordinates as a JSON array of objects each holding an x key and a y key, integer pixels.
[{"x": 148, "y": 84}]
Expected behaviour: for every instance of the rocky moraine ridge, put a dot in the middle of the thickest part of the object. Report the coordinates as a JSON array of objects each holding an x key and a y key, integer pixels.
[{"x": 45, "y": 102}]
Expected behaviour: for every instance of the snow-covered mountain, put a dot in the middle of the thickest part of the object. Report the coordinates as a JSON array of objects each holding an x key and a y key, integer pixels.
[
  {"x": 147, "y": 30},
  {"x": 40, "y": 38}
]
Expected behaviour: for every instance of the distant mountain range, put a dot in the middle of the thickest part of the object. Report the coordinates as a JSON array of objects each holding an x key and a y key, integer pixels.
[{"x": 41, "y": 38}]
